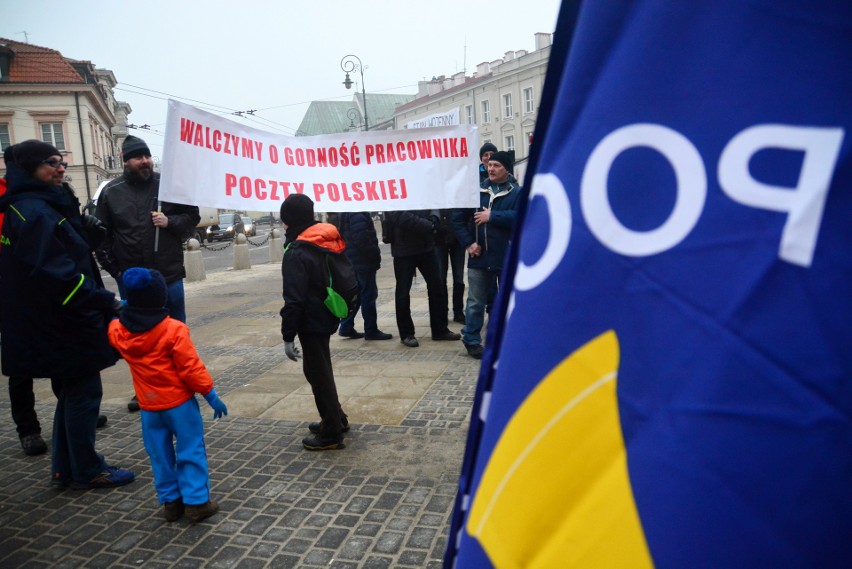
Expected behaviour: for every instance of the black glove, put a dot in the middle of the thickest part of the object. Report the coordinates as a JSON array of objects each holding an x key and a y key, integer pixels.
[
  {"x": 117, "y": 306},
  {"x": 91, "y": 222},
  {"x": 435, "y": 221}
]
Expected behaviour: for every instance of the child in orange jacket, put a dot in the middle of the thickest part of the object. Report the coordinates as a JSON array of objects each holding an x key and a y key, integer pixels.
[{"x": 167, "y": 373}]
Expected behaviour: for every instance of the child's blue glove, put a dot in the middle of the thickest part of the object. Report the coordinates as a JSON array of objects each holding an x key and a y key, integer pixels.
[{"x": 218, "y": 406}]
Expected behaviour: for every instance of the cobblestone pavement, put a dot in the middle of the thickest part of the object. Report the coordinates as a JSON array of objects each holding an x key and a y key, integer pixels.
[{"x": 384, "y": 501}]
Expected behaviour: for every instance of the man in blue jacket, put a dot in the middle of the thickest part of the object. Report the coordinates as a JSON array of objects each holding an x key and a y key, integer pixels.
[
  {"x": 362, "y": 249},
  {"x": 55, "y": 309},
  {"x": 485, "y": 235}
]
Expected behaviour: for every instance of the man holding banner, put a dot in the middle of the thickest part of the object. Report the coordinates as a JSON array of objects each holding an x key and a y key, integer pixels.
[
  {"x": 413, "y": 249},
  {"x": 141, "y": 230}
]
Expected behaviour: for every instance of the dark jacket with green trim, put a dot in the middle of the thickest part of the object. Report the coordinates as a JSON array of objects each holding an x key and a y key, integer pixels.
[
  {"x": 305, "y": 280},
  {"x": 54, "y": 307}
]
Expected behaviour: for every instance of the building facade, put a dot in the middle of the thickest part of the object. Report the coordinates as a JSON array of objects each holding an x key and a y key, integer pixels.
[
  {"x": 501, "y": 98},
  {"x": 67, "y": 103}
]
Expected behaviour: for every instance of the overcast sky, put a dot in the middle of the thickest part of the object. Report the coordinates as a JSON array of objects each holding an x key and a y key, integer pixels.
[{"x": 274, "y": 56}]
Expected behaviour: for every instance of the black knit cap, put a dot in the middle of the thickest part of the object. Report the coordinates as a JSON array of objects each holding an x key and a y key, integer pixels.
[
  {"x": 133, "y": 147},
  {"x": 503, "y": 158},
  {"x": 487, "y": 147},
  {"x": 29, "y": 154},
  {"x": 144, "y": 288},
  {"x": 297, "y": 210}
]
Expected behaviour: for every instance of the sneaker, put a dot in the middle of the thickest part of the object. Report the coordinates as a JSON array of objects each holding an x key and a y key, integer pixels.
[
  {"x": 109, "y": 478},
  {"x": 353, "y": 334},
  {"x": 202, "y": 512},
  {"x": 102, "y": 421},
  {"x": 474, "y": 350},
  {"x": 410, "y": 341},
  {"x": 172, "y": 511},
  {"x": 133, "y": 405},
  {"x": 33, "y": 444},
  {"x": 378, "y": 335},
  {"x": 446, "y": 337},
  {"x": 315, "y": 427},
  {"x": 57, "y": 481},
  {"x": 323, "y": 443}
]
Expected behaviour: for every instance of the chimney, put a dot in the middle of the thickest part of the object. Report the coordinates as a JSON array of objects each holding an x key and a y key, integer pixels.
[
  {"x": 509, "y": 56},
  {"x": 458, "y": 78},
  {"x": 483, "y": 68},
  {"x": 542, "y": 40}
]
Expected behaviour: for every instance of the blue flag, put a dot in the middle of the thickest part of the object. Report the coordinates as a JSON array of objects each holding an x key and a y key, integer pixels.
[{"x": 668, "y": 372}]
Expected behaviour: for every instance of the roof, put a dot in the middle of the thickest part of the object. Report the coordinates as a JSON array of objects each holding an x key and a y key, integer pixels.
[
  {"x": 34, "y": 64},
  {"x": 329, "y": 117},
  {"x": 469, "y": 82}
]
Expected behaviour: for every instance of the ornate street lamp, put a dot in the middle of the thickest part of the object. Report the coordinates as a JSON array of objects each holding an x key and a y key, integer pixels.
[
  {"x": 353, "y": 115},
  {"x": 348, "y": 64}
]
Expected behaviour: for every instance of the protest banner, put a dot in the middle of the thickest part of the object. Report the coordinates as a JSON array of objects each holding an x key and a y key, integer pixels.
[
  {"x": 667, "y": 379},
  {"x": 212, "y": 161}
]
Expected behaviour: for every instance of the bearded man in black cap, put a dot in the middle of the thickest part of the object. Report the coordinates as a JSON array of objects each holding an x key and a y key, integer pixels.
[
  {"x": 303, "y": 270},
  {"x": 141, "y": 230}
]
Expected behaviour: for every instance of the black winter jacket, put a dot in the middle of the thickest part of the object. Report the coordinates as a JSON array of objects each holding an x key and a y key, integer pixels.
[
  {"x": 125, "y": 207},
  {"x": 362, "y": 244},
  {"x": 54, "y": 307},
  {"x": 305, "y": 280},
  {"x": 413, "y": 231}
]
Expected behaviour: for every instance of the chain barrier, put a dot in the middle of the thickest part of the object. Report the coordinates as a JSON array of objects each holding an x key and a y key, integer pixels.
[
  {"x": 222, "y": 248},
  {"x": 261, "y": 243}
]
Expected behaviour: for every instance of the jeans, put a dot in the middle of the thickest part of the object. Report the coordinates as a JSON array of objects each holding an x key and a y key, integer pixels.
[
  {"x": 174, "y": 439},
  {"x": 22, "y": 398},
  {"x": 456, "y": 255},
  {"x": 404, "y": 269},
  {"x": 176, "y": 301},
  {"x": 482, "y": 287},
  {"x": 78, "y": 402},
  {"x": 368, "y": 292}
]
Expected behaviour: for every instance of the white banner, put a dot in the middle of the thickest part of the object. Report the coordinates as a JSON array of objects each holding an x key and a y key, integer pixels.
[
  {"x": 211, "y": 161},
  {"x": 438, "y": 119}
]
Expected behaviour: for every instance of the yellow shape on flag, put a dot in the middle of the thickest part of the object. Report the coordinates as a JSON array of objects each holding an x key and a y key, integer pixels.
[{"x": 556, "y": 491}]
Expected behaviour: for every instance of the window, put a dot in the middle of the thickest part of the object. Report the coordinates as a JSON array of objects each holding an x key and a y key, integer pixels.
[
  {"x": 486, "y": 112},
  {"x": 529, "y": 105},
  {"x": 51, "y": 132},
  {"x": 510, "y": 143},
  {"x": 5, "y": 139},
  {"x": 468, "y": 110},
  {"x": 507, "y": 106}
]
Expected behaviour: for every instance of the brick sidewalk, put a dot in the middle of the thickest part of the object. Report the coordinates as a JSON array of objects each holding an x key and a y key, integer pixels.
[{"x": 384, "y": 501}]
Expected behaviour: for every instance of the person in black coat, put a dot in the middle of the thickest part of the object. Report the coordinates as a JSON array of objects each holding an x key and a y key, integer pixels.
[
  {"x": 141, "y": 230},
  {"x": 362, "y": 249},
  {"x": 303, "y": 272},
  {"x": 55, "y": 309},
  {"x": 413, "y": 249}
]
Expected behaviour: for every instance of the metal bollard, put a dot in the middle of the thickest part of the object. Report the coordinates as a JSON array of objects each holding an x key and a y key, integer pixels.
[
  {"x": 276, "y": 246},
  {"x": 241, "y": 252},
  {"x": 193, "y": 262}
]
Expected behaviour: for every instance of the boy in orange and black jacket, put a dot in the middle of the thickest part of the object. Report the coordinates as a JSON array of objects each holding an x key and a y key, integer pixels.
[{"x": 167, "y": 373}]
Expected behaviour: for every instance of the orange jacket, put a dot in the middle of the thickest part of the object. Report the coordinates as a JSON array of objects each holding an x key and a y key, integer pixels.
[{"x": 166, "y": 368}]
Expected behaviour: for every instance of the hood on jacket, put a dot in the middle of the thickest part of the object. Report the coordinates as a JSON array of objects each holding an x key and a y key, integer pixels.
[
  {"x": 133, "y": 342},
  {"x": 323, "y": 235}
]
